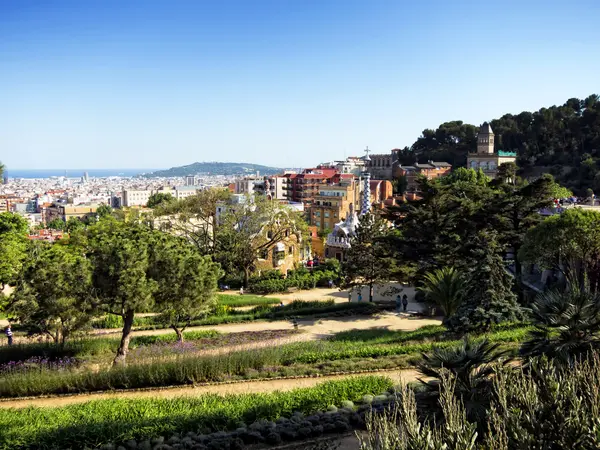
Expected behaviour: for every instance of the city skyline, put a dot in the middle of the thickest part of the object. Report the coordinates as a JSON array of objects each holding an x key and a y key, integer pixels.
[{"x": 112, "y": 85}]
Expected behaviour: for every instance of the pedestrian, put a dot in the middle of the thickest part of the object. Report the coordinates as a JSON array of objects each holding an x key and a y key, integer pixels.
[
  {"x": 330, "y": 282},
  {"x": 398, "y": 303},
  {"x": 9, "y": 335},
  {"x": 359, "y": 297},
  {"x": 350, "y": 296},
  {"x": 404, "y": 302},
  {"x": 242, "y": 290}
]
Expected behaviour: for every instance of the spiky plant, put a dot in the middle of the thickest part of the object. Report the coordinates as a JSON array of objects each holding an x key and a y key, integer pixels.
[
  {"x": 446, "y": 288},
  {"x": 471, "y": 365},
  {"x": 567, "y": 325}
]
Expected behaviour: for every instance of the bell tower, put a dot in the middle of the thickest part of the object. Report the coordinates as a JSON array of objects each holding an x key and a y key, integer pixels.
[{"x": 485, "y": 139}]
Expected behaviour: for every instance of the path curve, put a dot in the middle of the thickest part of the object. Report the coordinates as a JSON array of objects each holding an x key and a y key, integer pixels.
[{"x": 242, "y": 387}]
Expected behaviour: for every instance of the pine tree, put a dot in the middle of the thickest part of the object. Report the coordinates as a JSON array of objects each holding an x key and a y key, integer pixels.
[
  {"x": 368, "y": 261},
  {"x": 491, "y": 299}
]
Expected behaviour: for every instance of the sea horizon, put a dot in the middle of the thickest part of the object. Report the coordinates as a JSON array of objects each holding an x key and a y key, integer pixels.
[{"x": 74, "y": 173}]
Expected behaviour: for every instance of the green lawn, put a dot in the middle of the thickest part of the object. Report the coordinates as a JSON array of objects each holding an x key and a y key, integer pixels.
[{"x": 245, "y": 300}]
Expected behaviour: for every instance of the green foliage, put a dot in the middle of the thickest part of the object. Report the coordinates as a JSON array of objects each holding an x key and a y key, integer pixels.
[
  {"x": 563, "y": 136},
  {"x": 186, "y": 281},
  {"x": 74, "y": 224},
  {"x": 245, "y": 300},
  {"x": 491, "y": 299},
  {"x": 104, "y": 211},
  {"x": 102, "y": 421},
  {"x": 445, "y": 288},
  {"x": 568, "y": 242},
  {"x": 56, "y": 224},
  {"x": 12, "y": 222},
  {"x": 158, "y": 198},
  {"x": 368, "y": 260},
  {"x": 471, "y": 365},
  {"x": 54, "y": 294},
  {"x": 13, "y": 254},
  {"x": 567, "y": 325}
]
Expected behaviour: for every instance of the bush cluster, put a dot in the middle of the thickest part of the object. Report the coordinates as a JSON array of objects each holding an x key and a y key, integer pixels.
[
  {"x": 121, "y": 421},
  {"x": 271, "y": 282}
]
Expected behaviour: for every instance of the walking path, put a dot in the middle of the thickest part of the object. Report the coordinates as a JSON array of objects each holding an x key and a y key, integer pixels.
[
  {"x": 312, "y": 328},
  {"x": 245, "y": 387}
]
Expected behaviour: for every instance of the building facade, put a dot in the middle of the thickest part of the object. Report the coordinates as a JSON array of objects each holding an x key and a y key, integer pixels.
[
  {"x": 303, "y": 187},
  {"x": 334, "y": 201},
  {"x": 430, "y": 170},
  {"x": 486, "y": 158}
]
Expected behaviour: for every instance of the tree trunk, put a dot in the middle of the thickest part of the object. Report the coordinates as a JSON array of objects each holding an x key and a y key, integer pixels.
[
  {"x": 125, "y": 338},
  {"x": 370, "y": 292},
  {"x": 246, "y": 277},
  {"x": 179, "y": 333}
]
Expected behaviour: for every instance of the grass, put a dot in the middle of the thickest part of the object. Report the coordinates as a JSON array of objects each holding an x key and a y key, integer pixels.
[
  {"x": 94, "y": 423},
  {"x": 297, "y": 308},
  {"x": 245, "y": 300},
  {"x": 290, "y": 359}
]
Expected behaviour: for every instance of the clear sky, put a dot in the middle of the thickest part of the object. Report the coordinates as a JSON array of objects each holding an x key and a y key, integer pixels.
[{"x": 153, "y": 84}]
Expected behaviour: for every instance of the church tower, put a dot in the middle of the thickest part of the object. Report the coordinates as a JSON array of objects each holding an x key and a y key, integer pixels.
[{"x": 485, "y": 140}]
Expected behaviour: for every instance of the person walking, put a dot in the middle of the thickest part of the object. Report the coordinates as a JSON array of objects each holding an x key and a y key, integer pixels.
[
  {"x": 398, "y": 303},
  {"x": 9, "y": 335},
  {"x": 359, "y": 297},
  {"x": 350, "y": 296},
  {"x": 242, "y": 290},
  {"x": 404, "y": 302}
]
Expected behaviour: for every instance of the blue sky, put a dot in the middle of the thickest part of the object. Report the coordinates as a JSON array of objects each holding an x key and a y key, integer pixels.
[{"x": 147, "y": 83}]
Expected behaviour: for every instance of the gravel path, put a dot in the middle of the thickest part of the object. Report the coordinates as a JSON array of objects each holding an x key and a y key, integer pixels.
[
  {"x": 245, "y": 387},
  {"x": 312, "y": 328}
]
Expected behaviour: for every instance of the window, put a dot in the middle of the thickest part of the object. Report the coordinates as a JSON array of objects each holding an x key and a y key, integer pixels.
[
  {"x": 326, "y": 214},
  {"x": 335, "y": 215},
  {"x": 318, "y": 213},
  {"x": 318, "y": 223},
  {"x": 291, "y": 250},
  {"x": 264, "y": 254}
]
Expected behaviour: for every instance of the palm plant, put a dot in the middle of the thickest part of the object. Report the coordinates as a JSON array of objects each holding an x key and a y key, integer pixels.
[
  {"x": 470, "y": 365},
  {"x": 446, "y": 288},
  {"x": 567, "y": 325}
]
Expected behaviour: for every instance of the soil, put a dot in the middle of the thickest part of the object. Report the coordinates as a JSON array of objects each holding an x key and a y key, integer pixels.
[{"x": 244, "y": 387}]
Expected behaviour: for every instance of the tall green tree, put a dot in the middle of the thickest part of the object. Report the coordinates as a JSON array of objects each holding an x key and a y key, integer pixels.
[
  {"x": 491, "y": 299},
  {"x": 186, "y": 281},
  {"x": 54, "y": 294},
  {"x": 569, "y": 243},
  {"x": 121, "y": 265},
  {"x": 13, "y": 247},
  {"x": 368, "y": 261},
  {"x": 158, "y": 199}
]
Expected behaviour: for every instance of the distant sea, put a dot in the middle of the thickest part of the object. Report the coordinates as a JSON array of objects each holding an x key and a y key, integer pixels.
[{"x": 74, "y": 173}]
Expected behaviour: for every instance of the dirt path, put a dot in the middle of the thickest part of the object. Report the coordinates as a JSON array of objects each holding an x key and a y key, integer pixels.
[
  {"x": 312, "y": 329},
  {"x": 398, "y": 377}
]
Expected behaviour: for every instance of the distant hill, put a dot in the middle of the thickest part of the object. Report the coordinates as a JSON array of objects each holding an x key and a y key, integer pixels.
[{"x": 215, "y": 168}]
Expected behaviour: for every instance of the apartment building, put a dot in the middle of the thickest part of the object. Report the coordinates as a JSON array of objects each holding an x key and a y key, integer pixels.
[
  {"x": 65, "y": 212},
  {"x": 430, "y": 170},
  {"x": 135, "y": 197},
  {"x": 332, "y": 201},
  {"x": 304, "y": 186}
]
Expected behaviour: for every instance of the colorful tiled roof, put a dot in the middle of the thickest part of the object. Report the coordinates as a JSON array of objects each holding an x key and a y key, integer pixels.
[{"x": 503, "y": 153}]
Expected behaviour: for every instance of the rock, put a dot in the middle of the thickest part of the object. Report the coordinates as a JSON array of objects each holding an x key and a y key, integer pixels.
[
  {"x": 145, "y": 445},
  {"x": 348, "y": 404},
  {"x": 367, "y": 399},
  {"x": 131, "y": 444},
  {"x": 332, "y": 408},
  {"x": 273, "y": 438},
  {"x": 157, "y": 441}
]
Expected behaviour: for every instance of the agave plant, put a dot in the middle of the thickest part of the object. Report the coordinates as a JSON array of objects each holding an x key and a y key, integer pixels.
[
  {"x": 470, "y": 365},
  {"x": 567, "y": 325},
  {"x": 446, "y": 288}
]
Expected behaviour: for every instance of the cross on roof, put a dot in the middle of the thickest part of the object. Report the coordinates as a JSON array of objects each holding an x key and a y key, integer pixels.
[{"x": 367, "y": 151}]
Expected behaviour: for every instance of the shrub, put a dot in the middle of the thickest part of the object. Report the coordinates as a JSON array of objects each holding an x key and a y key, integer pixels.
[
  {"x": 93, "y": 423},
  {"x": 269, "y": 286}
]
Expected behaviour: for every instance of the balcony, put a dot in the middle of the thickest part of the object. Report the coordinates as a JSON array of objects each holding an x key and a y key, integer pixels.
[{"x": 342, "y": 242}]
